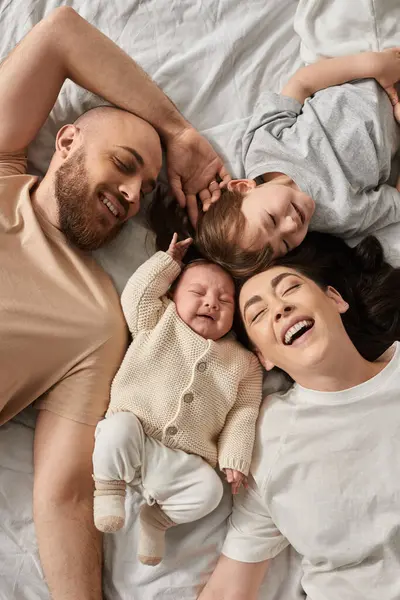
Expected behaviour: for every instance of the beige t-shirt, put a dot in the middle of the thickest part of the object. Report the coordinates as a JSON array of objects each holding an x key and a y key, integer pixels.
[{"x": 62, "y": 333}]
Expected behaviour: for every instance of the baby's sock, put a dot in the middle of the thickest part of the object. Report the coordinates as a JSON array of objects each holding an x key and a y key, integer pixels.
[
  {"x": 153, "y": 525},
  {"x": 109, "y": 505}
]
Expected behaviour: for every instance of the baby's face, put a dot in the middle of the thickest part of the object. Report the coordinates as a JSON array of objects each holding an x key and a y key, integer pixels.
[
  {"x": 205, "y": 300},
  {"x": 277, "y": 215}
]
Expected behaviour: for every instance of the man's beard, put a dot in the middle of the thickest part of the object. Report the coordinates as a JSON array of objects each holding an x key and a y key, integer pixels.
[{"x": 80, "y": 222}]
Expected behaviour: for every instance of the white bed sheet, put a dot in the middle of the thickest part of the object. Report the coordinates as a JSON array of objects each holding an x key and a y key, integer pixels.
[{"x": 213, "y": 58}]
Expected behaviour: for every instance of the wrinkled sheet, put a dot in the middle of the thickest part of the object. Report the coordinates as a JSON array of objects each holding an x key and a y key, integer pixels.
[{"x": 213, "y": 58}]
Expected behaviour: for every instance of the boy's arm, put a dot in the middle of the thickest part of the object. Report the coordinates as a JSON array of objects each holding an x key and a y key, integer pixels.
[
  {"x": 234, "y": 580},
  {"x": 235, "y": 444},
  {"x": 382, "y": 66},
  {"x": 141, "y": 298}
]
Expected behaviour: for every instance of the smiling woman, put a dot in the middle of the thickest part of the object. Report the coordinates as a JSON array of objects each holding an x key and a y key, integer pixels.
[{"x": 324, "y": 470}]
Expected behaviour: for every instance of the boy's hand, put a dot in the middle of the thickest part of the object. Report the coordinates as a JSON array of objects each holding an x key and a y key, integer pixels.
[
  {"x": 394, "y": 99},
  {"x": 236, "y": 479},
  {"x": 177, "y": 250},
  {"x": 387, "y": 70}
]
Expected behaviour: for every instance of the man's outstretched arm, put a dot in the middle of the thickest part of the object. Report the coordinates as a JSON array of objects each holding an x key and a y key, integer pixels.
[
  {"x": 64, "y": 46},
  {"x": 69, "y": 544}
]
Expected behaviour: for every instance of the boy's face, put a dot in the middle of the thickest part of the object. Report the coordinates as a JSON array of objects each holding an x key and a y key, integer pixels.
[
  {"x": 276, "y": 215},
  {"x": 205, "y": 299}
]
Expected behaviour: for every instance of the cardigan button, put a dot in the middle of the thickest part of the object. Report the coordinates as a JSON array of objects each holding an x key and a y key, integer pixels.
[
  {"x": 202, "y": 366},
  {"x": 188, "y": 398},
  {"x": 172, "y": 430}
]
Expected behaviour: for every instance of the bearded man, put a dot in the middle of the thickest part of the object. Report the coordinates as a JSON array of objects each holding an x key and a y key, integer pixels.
[{"x": 62, "y": 335}]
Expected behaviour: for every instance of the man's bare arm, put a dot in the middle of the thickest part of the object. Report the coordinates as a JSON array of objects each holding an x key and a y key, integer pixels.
[
  {"x": 234, "y": 580},
  {"x": 64, "y": 46},
  {"x": 69, "y": 544}
]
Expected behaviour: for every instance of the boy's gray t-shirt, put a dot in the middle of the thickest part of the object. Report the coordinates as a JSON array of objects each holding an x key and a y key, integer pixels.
[{"x": 337, "y": 147}]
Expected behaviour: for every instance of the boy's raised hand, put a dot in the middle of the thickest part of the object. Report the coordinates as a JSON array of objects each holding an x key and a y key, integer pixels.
[{"x": 177, "y": 250}]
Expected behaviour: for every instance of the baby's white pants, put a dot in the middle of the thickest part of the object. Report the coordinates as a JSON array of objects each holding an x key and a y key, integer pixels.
[{"x": 185, "y": 486}]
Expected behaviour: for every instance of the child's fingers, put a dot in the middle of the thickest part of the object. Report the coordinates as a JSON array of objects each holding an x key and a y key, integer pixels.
[
  {"x": 393, "y": 95},
  {"x": 184, "y": 243},
  {"x": 229, "y": 475},
  {"x": 235, "y": 487},
  {"x": 174, "y": 240}
]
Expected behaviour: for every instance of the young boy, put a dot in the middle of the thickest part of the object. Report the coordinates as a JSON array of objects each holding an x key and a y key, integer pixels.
[{"x": 315, "y": 156}]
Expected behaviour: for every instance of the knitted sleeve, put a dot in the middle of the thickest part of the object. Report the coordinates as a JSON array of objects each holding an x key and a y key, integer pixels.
[
  {"x": 235, "y": 444},
  {"x": 141, "y": 298}
]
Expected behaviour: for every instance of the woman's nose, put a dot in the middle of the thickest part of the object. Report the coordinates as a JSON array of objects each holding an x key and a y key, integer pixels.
[{"x": 283, "y": 311}]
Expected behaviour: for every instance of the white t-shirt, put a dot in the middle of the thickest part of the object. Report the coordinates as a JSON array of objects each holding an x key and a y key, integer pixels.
[{"x": 326, "y": 479}]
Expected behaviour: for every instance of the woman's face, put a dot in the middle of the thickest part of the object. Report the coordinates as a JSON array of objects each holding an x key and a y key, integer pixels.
[{"x": 291, "y": 321}]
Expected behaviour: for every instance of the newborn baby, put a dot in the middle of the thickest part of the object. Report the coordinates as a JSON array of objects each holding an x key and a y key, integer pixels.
[{"x": 185, "y": 399}]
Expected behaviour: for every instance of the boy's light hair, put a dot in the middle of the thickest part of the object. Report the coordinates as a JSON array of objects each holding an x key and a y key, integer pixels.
[{"x": 218, "y": 234}]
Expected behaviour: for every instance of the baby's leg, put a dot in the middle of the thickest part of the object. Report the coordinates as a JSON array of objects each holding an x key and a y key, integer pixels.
[
  {"x": 117, "y": 457},
  {"x": 180, "y": 488}
]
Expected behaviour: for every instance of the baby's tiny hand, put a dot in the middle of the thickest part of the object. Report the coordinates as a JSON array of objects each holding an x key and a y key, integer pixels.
[
  {"x": 236, "y": 479},
  {"x": 177, "y": 250}
]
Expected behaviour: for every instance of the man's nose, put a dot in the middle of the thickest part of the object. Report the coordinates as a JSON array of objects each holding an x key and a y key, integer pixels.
[
  {"x": 130, "y": 190},
  {"x": 283, "y": 311}
]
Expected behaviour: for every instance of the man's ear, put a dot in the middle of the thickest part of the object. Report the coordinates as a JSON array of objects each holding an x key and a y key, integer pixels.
[
  {"x": 65, "y": 139},
  {"x": 334, "y": 295},
  {"x": 241, "y": 185},
  {"x": 267, "y": 364}
]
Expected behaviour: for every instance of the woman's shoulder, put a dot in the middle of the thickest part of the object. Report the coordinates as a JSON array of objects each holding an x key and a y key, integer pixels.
[{"x": 275, "y": 422}]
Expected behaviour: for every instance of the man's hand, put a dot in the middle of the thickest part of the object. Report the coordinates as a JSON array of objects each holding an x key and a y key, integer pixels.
[
  {"x": 177, "y": 250},
  {"x": 236, "y": 479},
  {"x": 193, "y": 167}
]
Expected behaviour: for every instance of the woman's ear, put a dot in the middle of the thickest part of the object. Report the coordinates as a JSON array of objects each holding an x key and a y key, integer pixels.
[
  {"x": 334, "y": 295},
  {"x": 241, "y": 185},
  {"x": 267, "y": 364},
  {"x": 65, "y": 139}
]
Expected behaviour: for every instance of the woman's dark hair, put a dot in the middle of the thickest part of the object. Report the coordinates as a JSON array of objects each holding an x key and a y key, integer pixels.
[{"x": 363, "y": 278}]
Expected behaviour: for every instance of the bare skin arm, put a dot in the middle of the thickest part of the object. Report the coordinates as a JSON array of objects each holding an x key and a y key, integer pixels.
[
  {"x": 69, "y": 545},
  {"x": 382, "y": 66},
  {"x": 66, "y": 46},
  {"x": 234, "y": 580}
]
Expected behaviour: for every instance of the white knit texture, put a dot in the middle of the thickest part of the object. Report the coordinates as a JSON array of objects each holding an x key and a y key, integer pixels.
[{"x": 197, "y": 395}]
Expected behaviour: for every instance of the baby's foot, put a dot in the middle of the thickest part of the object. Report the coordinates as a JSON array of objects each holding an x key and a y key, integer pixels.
[
  {"x": 153, "y": 525},
  {"x": 109, "y": 505}
]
